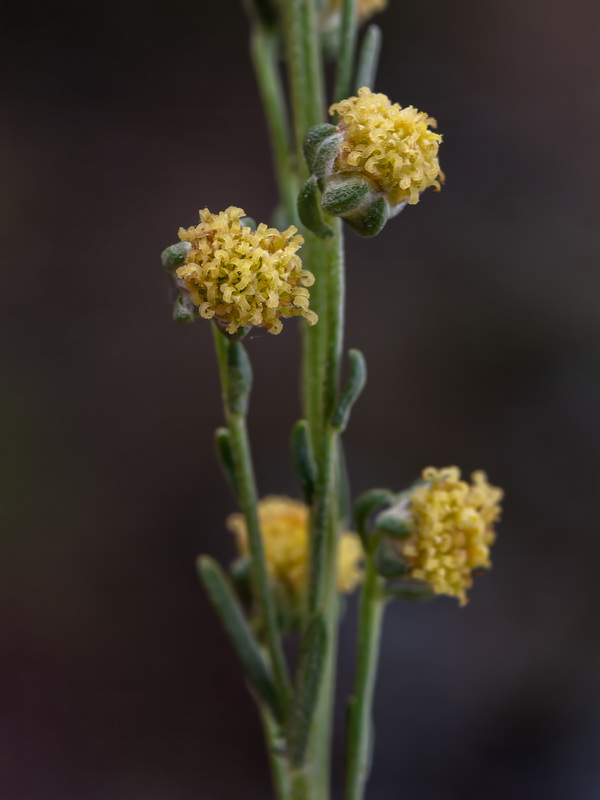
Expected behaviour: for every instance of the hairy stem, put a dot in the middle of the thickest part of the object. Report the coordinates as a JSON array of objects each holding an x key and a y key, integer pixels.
[
  {"x": 248, "y": 501},
  {"x": 358, "y": 753},
  {"x": 264, "y": 48}
]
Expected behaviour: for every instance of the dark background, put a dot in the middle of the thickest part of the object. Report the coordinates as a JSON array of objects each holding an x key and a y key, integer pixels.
[{"x": 478, "y": 314}]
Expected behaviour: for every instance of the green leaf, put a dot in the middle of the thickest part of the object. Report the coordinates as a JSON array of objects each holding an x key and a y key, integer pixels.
[
  {"x": 239, "y": 378},
  {"x": 225, "y": 603},
  {"x": 357, "y": 379},
  {"x": 309, "y": 673},
  {"x": 225, "y": 458},
  {"x": 303, "y": 459},
  {"x": 309, "y": 209},
  {"x": 368, "y": 59}
]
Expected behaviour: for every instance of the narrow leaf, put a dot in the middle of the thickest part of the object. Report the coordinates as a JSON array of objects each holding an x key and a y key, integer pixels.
[
  {"x": 368, "y": 59},
  {"x": 239, "y": 377},
  {"x": 222, "y": 597},
  {"x": 225, "y": 457},
  {"x": 311, "y": 662},
  {"x": 357, "y": 379},
  {"x": 303, "y": 459}
]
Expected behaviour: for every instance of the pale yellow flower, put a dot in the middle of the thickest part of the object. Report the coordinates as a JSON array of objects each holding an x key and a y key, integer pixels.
[
  {"x": 284, "y": 525},
  {"x": 393, "y": 146},
  {"x": 452, "y": 524},
  {"x": 240, "y": 277}
]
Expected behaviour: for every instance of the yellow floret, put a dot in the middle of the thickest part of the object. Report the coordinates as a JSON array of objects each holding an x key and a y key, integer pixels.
[
  {"x": 243, "y": 277},
  {"x": 394, "y": 146},
  {"x": 284, "y": 526},
  {"x": 453, "y": 530}
]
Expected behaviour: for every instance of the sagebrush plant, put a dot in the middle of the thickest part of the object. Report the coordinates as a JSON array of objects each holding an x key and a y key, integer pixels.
[{"x": 357, "y": 163}]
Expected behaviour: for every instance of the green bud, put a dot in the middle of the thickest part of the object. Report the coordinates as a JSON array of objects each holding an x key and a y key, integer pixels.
[
  {"x": 388, "y": 562},
  {"x": 345, "y": 194},
  {"x": 392, "y": 524},
  {"x": 184, "y": 310},
  {"x": 174, "y": 256},
  {"x": 309, "y": 209},
  {"x": 314, "y": 139},
  {"x": 370, "y": 220},
  {"x": 365, "y": 505},
  {"x": 325, "y": 156}
]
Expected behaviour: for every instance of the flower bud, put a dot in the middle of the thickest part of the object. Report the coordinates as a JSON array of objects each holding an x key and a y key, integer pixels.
[
  {"x": 439, "y": 532},
  {"x": 379, "y": 158}
]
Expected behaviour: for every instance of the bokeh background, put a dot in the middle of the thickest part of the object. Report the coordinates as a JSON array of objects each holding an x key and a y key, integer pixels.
[{"x": 478, "y": 314}]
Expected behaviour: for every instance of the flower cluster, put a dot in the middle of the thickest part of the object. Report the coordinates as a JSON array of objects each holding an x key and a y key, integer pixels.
[
  {"x": 393, "y": 146},
  {"x": 240, "y": 276},
  {"x": 284, "y": 527},
  {"x": 451, "y": 524}
]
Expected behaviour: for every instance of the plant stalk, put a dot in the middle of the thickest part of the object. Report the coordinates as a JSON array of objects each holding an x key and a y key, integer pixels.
[
  {"x": 248, "y": 501},
  {"x": 358, "y": 752},
  {"x": 264, "y": 48}
]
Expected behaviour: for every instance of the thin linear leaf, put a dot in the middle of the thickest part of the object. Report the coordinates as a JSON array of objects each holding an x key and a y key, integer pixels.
[
  {"x": 303, "y": 459},
  {"x": 225, "y": 603},
  {"x": 311, "y": 662},
  {"x": 368, "y": 59}
]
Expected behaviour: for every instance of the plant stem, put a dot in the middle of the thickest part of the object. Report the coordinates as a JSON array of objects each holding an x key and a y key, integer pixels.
[
  {"x": 343, "y": 75},
  {"x": 248, "y": 501},
  {"x": 264, "y": 47},
  {"x": 276, "y": 759},
  {"x": 358, "y": 753}
]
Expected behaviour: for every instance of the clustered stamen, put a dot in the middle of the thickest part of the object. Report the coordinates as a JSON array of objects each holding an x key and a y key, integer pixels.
[
  {"x": 394, "y": 146},
  {"x": 452, "y": 524},
  {"x": 241, "y": 276}
]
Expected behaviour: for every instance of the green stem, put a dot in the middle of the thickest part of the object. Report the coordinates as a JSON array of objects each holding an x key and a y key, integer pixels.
[
  {"x": 358, "y": 754},
  {"x": 248, "y": 500},
  {"x": 264, "y": 48},
  {"x": 343, "y": 76},
  {"x": 305, "y": 67},
  {"x": 277, "y": 761}
]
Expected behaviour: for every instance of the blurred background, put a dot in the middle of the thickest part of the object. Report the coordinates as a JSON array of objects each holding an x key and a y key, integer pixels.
[{"x": 478, "y": 314}]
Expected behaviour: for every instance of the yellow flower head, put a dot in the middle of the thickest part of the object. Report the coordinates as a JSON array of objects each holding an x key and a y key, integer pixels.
[
  {"x": 284, "y": 527},
  {"x": 365, "y": 8},
  {"x": 395, "y": 147},
  {"x": 240, "y": 276},
  {"x": 452, "y": 530}
]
